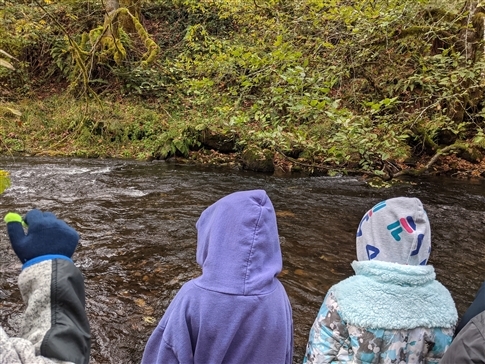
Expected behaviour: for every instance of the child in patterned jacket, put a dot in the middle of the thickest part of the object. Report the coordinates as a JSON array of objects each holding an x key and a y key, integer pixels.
[{"x": 392, "y": 310}]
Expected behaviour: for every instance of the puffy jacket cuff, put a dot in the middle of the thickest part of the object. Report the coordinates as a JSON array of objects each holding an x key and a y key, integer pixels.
[{"x": 43, "y": 258}]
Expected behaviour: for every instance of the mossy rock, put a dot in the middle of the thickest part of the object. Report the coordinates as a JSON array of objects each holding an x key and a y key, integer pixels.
[
  {"x": 257, "y": 160},
  {"x": 223, "y": 143},
  {"x": 472, "y": 155}
]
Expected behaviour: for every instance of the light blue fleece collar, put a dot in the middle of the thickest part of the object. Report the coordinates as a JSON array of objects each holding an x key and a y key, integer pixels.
[{"x": 394, "y": 296}]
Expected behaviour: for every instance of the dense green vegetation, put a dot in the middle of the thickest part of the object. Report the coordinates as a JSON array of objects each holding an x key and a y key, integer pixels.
[{"x": 383, "y": 87}]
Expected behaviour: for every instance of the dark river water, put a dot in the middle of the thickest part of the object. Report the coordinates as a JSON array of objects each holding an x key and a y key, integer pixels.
[{"x": 138, "y": 237}]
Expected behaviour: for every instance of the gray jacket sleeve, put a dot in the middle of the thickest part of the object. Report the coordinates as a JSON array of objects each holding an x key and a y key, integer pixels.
[
  {"x": 55, "y": 326},
  {"x": 469, "y": 344},
  {"x": 20, "y": 351},
  {"x": 477, "y": 306}
]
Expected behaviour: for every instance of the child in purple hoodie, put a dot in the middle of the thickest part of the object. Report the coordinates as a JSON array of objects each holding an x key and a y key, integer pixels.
[{"x": 237, "y": 311}]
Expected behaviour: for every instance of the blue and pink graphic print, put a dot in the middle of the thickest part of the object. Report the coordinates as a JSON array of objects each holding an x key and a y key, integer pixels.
[
  {"x": 401, "y": 226},
  {"x": 369, "y": 214},
  {"x": 372, "y": 251},
  {"x": 409, "y": 225}
]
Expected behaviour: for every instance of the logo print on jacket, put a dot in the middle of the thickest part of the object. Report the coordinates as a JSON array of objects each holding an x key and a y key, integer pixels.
[
  {"x": 409, "y": 225},
  {"x": 369, "y": 214},
  {"x": 400, "y": 225}
]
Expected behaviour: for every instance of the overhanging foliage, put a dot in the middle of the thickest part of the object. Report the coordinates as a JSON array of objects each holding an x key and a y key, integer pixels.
[{"x": 358, "y": 85}]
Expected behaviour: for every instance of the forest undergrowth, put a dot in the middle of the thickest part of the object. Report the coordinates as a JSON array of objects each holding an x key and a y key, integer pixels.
[{"x": 319, "y": 87}]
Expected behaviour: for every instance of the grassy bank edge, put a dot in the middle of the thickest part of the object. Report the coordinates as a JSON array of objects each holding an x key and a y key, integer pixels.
[{"x": 60, "y": 125}]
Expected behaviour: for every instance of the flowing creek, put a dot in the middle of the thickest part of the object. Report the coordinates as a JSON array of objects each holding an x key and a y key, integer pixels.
[{"x": 138, "y": 237}]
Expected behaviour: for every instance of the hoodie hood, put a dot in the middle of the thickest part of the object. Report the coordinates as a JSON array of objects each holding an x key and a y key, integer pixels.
[
  {"x": 238, "y": 245},
  {"x": 396, "y": 231}
]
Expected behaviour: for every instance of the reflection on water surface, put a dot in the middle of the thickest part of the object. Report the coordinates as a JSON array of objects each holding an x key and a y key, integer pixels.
[{"x": 138, "y": 237}]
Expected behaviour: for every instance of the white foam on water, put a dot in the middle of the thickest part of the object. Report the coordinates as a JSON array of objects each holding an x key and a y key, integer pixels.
[
  {"x": 102, "y": 170},
  {"x": 133, "y": 193},
  {"x": 49, "y": 171}
]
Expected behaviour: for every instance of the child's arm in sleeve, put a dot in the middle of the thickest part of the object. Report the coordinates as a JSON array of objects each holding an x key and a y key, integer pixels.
[
  {"x": 14, "y": 350},
  {"x": 54, "y": 327},
  {"x": 468, "y": 346},
  {"x": 329, "y": 339}
]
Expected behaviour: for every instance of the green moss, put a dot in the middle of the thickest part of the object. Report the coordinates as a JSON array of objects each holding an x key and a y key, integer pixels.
[{"x": 256, "y": 159}]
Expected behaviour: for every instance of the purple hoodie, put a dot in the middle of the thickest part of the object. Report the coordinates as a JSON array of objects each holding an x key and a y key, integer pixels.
[{"x": 237, "y": 311}]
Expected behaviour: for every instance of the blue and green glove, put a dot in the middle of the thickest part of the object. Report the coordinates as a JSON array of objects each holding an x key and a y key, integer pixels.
[{"x": 47, "y": 237}]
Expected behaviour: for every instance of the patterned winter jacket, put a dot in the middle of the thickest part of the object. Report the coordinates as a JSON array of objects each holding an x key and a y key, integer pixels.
[
  {"x": 386, "y": 313},
  {"x": 54, "y": 328}
]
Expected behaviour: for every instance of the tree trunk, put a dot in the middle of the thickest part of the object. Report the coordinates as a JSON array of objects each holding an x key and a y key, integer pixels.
[{"x": 110, "y": 7}]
